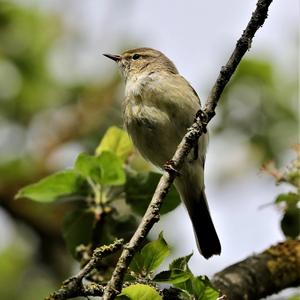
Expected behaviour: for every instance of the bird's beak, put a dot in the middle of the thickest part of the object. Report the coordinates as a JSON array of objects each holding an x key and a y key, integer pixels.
[{"x": 114, "y": 57}]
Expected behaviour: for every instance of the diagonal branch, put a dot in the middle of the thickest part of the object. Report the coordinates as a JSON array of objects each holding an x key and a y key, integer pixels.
[
  {"x": 194, "y": 132},
  {"x": 243, "y": 44}
]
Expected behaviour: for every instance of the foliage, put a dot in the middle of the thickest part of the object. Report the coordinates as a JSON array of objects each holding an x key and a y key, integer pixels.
[
  {"x": 52, "y": 187},
  {"x": 150, "y": 257},
  {"x": 34, "y": 286},
  {"x": 117, "y": 141},
  {"x": 138, "y": 187},
  {"x": 258, "y": 106},
  {"x": 179, "y": 276},
  {"x": 105, "y": 180},
  {"x": 101, "y": 183},
  {"x": 290, "y": 201},
  {"x": 139, "y": 292},
  {"x": 26, "y": 86}
]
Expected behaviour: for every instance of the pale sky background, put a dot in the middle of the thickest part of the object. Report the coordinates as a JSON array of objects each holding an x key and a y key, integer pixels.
[{"x": 199, "y": 37}]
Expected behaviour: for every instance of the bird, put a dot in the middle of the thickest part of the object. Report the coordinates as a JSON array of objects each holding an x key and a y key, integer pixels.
[{"x": 158, "y": 108}]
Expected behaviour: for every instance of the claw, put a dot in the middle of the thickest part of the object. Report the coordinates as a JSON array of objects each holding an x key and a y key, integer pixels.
[
  {"x": 169, "y": 166},
  {"x": 202, "y": 116}
]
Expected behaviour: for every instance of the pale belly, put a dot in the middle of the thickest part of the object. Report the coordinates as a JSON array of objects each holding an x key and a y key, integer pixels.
[
  {"x": 152, "y": 132},
  {"x": 158, "y": 115}
]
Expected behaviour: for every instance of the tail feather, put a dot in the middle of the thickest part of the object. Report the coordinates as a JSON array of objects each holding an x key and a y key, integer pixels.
[
  {"x": 194, "y": 199},
  {"x": 206, "y": 236}
]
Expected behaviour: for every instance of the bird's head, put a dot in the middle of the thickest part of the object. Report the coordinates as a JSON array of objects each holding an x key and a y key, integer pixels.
[{"x": 136, "y": 61}]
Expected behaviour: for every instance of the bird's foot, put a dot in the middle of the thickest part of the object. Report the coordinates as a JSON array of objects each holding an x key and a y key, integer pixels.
[
  {"x": 169, "y": 166},
  {"x": 202, "y": 116}
]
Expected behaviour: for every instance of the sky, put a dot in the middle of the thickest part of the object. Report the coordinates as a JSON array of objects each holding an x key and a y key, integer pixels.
[{"x": 198, "y": 36}]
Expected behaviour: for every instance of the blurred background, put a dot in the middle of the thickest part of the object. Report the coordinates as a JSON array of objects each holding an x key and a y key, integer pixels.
[{"x": 58, "y": 95}]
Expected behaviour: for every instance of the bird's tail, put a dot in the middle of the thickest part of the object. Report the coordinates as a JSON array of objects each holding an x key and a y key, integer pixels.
[
  {"x": 206, "y": 236},
  {"x": 205, "y": 233}
]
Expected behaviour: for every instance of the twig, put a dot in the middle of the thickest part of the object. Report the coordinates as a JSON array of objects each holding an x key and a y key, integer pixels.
[
  {"x": 73, "y": 286},
  {"x": 194, "y": 132},
  {"x": 263, "y": 274},
  {"x": 91, "y": 289}
]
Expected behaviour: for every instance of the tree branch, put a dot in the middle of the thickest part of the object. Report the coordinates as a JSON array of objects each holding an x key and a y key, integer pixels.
[
  {"x": 151, "y": 216},
  {"x": 73, "y": 287},
  {"x": 261, "y": 275},
  {"x": 243, "y": 44}
]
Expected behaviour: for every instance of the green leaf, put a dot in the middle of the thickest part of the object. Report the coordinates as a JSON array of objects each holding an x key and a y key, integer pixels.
[
  {"x": 181, "y": 263},
  {"x": 210, "y": 293},
  {"x": 289, "y": 198},
  {"x": 52, "y": 187},
  {"x": 140, "y": 189},
  {"x": 116, "y": 141},
  {"x": 178, "y": 272},
  {"x": 139, "y": 292},
  {"x": 78, "y": 228},
  {"x": 174, "y": 276},
  {"x": 151, "y": 256},
  {"x": 88, "y": 166},
  {"x": 181, "y": 277},
  {"x": 199, "y": 288},
  {"x": 112, "y": 169},
  {"x": 106, "y": 169}
]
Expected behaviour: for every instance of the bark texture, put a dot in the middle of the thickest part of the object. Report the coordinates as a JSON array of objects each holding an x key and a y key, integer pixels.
[{"x": 261, "y": 275}]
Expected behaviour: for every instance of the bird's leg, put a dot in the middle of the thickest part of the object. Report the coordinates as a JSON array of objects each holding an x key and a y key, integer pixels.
[{"x": 202, "y": 116}]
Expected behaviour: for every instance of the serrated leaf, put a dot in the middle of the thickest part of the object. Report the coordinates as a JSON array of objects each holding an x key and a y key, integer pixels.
[
  {"x": 53, "y": 187},
  {"x": 151, "y": 256},
  {"x": 140, "y": 189},
  {"x": 174, "y": 276},
  {"x": 178, "y": 272},
  {"x": 139, "y": 292},
  {"x": 78, "y": 228},
  {"x": 181, "y": 277},
  {"x": 116, "y": 141},
  {"x": 199, "y": 288},
  {"x": 106, "y": 169},
  {"x": 210, "y": 293},
  {"x": 181, "y": 263}
]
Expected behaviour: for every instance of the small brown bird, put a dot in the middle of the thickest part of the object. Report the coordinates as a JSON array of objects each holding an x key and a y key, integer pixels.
[{"x": 159, "y": 106}]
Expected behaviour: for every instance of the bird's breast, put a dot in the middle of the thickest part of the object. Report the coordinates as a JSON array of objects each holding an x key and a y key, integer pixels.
[
  {"x": 141, "y": 105},
  {"x": 147, "y": 123}
]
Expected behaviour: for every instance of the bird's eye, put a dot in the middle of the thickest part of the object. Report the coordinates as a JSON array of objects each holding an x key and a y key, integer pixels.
[{"x": 136, "y": 56}]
